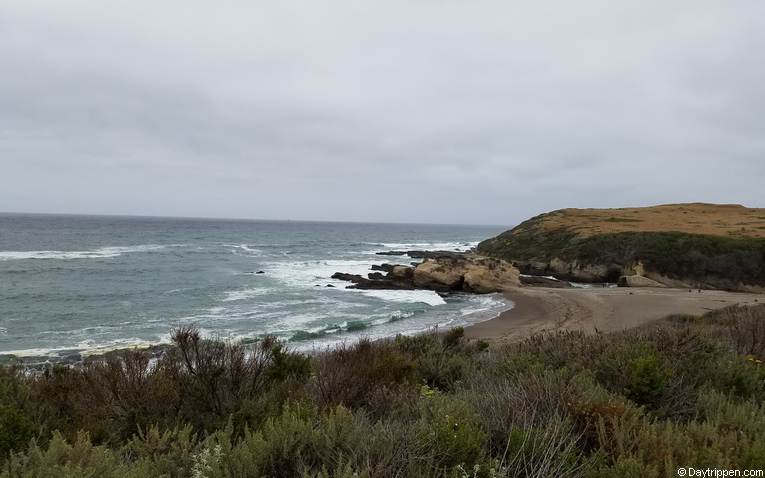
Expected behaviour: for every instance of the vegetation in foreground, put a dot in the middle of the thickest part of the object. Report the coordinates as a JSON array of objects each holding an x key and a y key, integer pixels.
[{"x": 684, "y": 391}]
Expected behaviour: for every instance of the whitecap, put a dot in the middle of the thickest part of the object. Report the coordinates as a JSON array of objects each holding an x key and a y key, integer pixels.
[
  {"x": 245, "y": 248},
  {"x": 310, "y": 273},
  {"x": 428, "y": 246},
  {"x": 411, "y": 296},
  {"x": 101, "y": 253},
  {"x": 87, "y": 347},
  {"x": 455, "y": 246},
  {"x": 243, "y": 294}
]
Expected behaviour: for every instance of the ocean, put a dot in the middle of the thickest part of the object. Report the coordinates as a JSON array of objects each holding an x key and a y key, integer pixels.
[{"x": 89, "y": 284}]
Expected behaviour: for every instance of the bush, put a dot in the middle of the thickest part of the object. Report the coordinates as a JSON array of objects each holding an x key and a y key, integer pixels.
[
  {"x": 635, "y": 403},
  {"x": 16, "y": 429}
]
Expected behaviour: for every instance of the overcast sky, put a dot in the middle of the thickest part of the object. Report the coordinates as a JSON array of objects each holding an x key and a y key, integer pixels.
[{"x": 408, "y": 111}]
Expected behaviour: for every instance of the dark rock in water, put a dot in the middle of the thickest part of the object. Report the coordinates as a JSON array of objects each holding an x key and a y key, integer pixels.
[
  {"x": 260, "y": 272},
  {"x": 434, "y": 254},
  {"x": 376, "y": 281},
  {"x": 383, "y": 267},
  {"x": 539, "y": 281},
  {"x": 367, "y": 284},
  {"x": 391, "y": 253},
  {"x": 329, "y": 285},
  {"x": 348, "y": 277}
]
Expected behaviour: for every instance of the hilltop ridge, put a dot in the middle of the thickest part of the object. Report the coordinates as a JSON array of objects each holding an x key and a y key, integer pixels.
[
  {"x": 719, "y": 246},
  {"x": 730, "y": 220}
]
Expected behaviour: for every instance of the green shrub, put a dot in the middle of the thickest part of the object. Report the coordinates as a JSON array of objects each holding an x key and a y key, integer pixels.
[
  {"x": 16, "y": 429},
  {"x": 450, "y": 433},
  {"x": 633, "y": 403},
  {"x": 648, "y": 380},
  {"x": 453, "y": 337},
  {"x": 286, "y": 364}
]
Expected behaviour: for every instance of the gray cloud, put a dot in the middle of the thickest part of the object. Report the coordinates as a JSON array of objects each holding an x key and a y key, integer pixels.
[{"x": 424, "y": 111}]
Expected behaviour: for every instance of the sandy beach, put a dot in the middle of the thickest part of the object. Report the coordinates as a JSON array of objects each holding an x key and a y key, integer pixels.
[{"x": 540, "y": 309}]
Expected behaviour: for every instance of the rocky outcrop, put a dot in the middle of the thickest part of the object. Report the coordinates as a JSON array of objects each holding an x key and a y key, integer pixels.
[
  {"x": 438, "y": 275},
  {"x": 462, "y": 273},
  {"x": 401, "y": 273},
  {"x": 638, "y": 281},
  {"x": 386, "y": 282},
  {"x": 573, "y": 270}
]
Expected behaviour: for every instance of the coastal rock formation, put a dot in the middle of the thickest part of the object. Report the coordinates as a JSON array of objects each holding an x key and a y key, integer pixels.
[
  {"x": 401, "y": 273},
  {"x": 462, "y": 273},
  {"x": 386, "y": 282},
  {"x": 638, "y": 281},
  {"x": 677, "y": 245},
  {"x": 438, "y": 275}
]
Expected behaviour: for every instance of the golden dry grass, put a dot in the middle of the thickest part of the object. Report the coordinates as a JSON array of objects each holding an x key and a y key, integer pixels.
[{"x": 728, "y": 220}]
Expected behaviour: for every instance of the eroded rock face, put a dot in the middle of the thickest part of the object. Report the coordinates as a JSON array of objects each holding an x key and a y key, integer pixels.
[
  {"x": 573, "y": 271},
  {"x": 468, "y": 273},
  {"x": 438, "y": 275},
  {"x": 638, "y": 281},
  {"x": 403, "y": 273}
]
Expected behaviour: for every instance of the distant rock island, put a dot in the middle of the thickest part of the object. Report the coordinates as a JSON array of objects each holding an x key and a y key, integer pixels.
[{"x": 695, "y": 245}]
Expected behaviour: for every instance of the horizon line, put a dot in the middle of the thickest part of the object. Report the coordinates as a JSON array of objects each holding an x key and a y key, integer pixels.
[{"x": 241, "y": 219}]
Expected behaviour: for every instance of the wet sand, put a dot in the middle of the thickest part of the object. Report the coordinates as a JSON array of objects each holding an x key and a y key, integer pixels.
[{"x": 541, "y": 309}]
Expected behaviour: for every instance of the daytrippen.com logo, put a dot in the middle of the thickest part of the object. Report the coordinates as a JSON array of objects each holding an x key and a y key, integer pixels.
[{"x": 716, "y": 472}]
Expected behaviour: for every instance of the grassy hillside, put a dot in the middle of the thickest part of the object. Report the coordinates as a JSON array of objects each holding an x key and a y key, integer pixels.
[
  {"x": 682, "y": 391},
  {"x": 723, "y": 245},
  {"x": 725, "y": 220}
]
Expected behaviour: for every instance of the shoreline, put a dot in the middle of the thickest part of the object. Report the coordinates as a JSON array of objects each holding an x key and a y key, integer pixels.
[
  {"x": 542, "y": 309},
  {"x": 533, "y": 310},
  {"x": 73, "y": 356}
]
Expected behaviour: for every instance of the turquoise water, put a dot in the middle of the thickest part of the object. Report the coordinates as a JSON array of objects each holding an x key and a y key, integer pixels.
[{"x": 88, "y": 284}]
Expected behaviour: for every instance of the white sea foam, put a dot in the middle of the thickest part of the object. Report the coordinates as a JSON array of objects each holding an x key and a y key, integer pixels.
[
  {"x": 429, "y": 246},
  {"x": 311, "y": 273},
  {"x": 101, "y": 253},
  {"x": 245, "y": 248},
  {"x": 87, "y": 347},
  {"x": 412, "y": 296},
  {"x": 485, "y": 303},
  {"x": 244, "y": 294}
]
